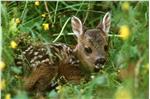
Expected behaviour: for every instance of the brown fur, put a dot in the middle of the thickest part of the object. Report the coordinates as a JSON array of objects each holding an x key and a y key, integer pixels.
[
  {"x": 71, "y": 73},
  {"x": 40, "y": 78}
]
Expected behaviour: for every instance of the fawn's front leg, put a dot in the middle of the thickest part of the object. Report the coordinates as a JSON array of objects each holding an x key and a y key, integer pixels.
[{"x": 71, "y": 73}]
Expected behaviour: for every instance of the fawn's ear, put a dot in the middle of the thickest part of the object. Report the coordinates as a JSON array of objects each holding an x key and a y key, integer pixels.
[
  {"x": 106, "y": 22},
  {"x": 76, "y": 26}
]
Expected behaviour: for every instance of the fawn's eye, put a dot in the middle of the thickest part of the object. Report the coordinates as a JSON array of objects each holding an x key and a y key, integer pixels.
[
  {"x": 88, "y": 50},
  {"x": 106, "y": 47}
]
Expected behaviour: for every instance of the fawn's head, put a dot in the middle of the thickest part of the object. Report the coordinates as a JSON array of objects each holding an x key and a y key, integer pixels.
[{"x": 92, "y": 44}]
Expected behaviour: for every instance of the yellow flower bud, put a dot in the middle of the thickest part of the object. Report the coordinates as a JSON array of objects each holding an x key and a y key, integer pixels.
[
  {"x": 37, "y": 3},
  {"x": 125, "y": 6},
  {"x": 43, "y": 15},
  {"x": 2, "y": 65},
  {"x": 92, "y": 76},
  {"x": 13, "y": 44},
  {"x": 124, "y": 32},
  {"x": 59, "y": 89},
  {"x": 123, "y": 93},
  {"x": 8, "y": 96},
  {"x": 17, "y": 21},
  {"x": 46, "y": 26},
  {"x": 2, "y": 84}
]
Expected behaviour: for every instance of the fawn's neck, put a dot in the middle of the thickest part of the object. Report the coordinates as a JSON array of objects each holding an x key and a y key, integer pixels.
[{"x": 78, "y": 54}]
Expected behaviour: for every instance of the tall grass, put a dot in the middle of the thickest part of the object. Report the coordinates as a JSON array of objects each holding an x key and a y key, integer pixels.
[{"x": 125, "y": 76}]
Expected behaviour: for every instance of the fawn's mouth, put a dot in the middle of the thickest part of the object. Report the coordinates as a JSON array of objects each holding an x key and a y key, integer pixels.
[{"x": 98, "y": 67}]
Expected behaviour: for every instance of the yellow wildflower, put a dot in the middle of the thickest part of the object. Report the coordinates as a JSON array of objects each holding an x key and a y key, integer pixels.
[
  {"x": 46, "y": 26},
  {"x": 2, "y": 65},
  {"x": 13, "y": 44},
  {"x": 8, "y": 96},
  {"x": 81, "y": 90},
  {"x": 125, "y": 6},
  {"x": 2, "y": 84},
  {"x": 118, "y": 70},
  {"x": 17, "y": 21},
  {"x": 123, "y": 93},
  {"x": 59, "y": 88},
  {"x": 37, "y": 3},
  {"x": 43, "y": 15},
  {"x": 18, "y": 77},
  {"x": 92, "y": 76},
  {"x": 124, "y": 32}
]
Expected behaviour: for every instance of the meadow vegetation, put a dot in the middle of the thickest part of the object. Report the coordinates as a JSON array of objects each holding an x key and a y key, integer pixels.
[{"x": 125, "y": 75}]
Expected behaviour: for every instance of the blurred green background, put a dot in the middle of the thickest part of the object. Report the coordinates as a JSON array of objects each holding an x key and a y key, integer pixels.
[{"x": 125, "y": 76}]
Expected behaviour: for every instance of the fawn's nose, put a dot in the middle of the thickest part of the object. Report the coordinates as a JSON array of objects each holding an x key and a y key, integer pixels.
[{"x": 100, "y": 61}]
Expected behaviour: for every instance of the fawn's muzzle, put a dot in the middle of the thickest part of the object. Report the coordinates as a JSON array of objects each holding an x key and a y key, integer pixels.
[{"x": 99, "y": 63}]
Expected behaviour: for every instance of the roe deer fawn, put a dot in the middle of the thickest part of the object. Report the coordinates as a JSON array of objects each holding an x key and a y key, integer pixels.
[{"x": 50, "y": 63}]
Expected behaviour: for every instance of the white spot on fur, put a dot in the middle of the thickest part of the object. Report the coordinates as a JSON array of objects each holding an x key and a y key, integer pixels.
[
  {"x": 36, "y": 53},
  {"x": 31, "y": 52},
  {"x": 40, "y": 56}
]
